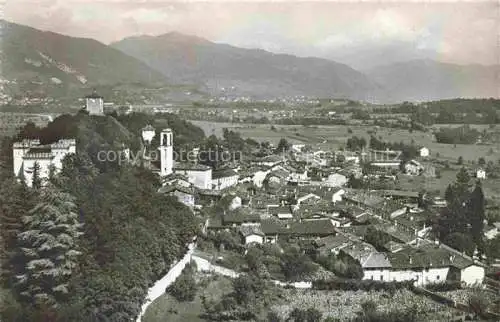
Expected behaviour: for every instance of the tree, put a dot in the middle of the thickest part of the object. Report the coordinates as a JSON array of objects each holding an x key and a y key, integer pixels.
[
  {"x": 376, "y": 237},
  {"x": 461, "y": 185},
  {"x": 296, "y": 265},
  {"x": 460, "y": 160},
  {"x": 36, "y": 181},
  {"x": 460, "y": 241},
  {"x": 283, "y": 146},
  {"x": 476, "y": 213},
  {"x": 15, "y": 202},
  {"x": 184, "y": 288},
  {"x": 481, "y": 162},
  {"x": 51, "y": 247}
]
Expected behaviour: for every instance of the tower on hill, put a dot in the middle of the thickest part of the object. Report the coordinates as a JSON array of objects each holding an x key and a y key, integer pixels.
[
  {"x": 148, "y": 134},
  {"x": 166, "y": 152},
  {"x": 94, "y": 104}
]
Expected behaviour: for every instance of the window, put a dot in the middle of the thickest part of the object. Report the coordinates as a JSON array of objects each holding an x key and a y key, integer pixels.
[
  {"x": 437, "y": 277},
  {"x": 372, "y": 277},
  {"x": 381, "y": 277}
]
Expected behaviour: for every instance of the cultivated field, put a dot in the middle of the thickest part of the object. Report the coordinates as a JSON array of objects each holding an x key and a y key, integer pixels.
[
  {"x": 343, "y": 305},
  {"x": 335, "y": 137}
]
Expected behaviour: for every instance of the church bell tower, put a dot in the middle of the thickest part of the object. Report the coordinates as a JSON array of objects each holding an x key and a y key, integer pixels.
[{"x": 166, "y": 152}]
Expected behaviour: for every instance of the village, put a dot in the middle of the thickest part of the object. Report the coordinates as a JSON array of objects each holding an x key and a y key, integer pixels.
[{"x": 291, "y": 195}]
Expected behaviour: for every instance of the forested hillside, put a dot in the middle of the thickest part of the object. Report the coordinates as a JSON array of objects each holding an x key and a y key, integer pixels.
[{"x": 87, "y": 246}]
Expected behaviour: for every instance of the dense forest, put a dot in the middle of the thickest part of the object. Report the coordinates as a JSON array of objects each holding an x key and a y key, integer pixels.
[{"x": 87, "y": 245}]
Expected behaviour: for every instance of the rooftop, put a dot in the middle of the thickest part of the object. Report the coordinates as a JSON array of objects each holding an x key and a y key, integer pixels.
[
  {"x": 223, "y": 173},
  {"x": 191, "y": 166},
  {"x": 251, "y": 230}
]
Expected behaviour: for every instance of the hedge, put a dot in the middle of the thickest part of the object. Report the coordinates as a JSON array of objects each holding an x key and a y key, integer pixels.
[{"x": 364, "y": 285}]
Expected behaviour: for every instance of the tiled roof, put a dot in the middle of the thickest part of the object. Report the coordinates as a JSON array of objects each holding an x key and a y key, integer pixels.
[
  {"x": 400, "y": 193},
  {"x": 322, "y": 227},
  {"x": 272, "y": 227},
  {"x": 241, "y": 215},
  {"x": 175, "y": 187},
  {"x": 223, "y": 173},
  {"x": 191, "y": 166},
  {"x": 331, "y": 242},
  {"x": 251, "y": 230}
]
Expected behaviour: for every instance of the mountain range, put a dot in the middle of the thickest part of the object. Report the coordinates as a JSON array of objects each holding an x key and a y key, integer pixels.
[{"x": 40, "y": 59}]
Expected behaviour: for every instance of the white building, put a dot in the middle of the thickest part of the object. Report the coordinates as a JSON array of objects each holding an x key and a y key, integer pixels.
[
  {"x": 166, "y": 152},
  {"x": 424, "y": 152},
  {"x": 183, "y": 194},
  {"x": 199, "y": 175},
  {"x": 481, "y": 173},
  {"x": 224, "y": 178},
  {"x": 336, "y": 180},
  {"x": 425, "y": 264},
  {"x": 413, "y": 168},
  {"x": 148, "y": 134},
  {"x": 94, "y": 104},
  {"x": 27, "y": 153},
  {"x": 252, "y": 235}
]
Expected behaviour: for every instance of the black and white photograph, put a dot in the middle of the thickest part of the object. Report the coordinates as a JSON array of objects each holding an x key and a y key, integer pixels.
[{"x": 249, "y": 160}]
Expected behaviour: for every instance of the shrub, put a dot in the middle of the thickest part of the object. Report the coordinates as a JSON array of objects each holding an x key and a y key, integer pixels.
[
  {"x": 356, "y": 285},
  {"x": 184, "y": 288},
  {"x": 444, "y": 286}
]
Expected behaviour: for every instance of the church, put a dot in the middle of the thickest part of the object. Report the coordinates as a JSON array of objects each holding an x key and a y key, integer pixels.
[
  {"x": 28, "y": 152},
  {"x": 200, "y": 176}
]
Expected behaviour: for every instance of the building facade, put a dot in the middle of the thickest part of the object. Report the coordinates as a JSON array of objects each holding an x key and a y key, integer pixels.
[
  {"x": 94, "y": 104},
  {"x": 29, "y": 154}
]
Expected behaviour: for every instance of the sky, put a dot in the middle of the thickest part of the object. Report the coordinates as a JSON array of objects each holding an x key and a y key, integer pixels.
[{"x": 363, "y": 34}]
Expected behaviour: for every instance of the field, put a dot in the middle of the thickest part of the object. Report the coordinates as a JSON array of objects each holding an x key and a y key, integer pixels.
[
  {"x": 335, "y": 136},
  {"x": 343, "y": 305},
  {"x": 167, "y": 308}
]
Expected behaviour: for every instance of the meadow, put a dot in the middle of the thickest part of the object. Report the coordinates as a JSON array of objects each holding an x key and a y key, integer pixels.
[
  {"x": 333, "y": 137},
  {"x": 167, "y": 308}
]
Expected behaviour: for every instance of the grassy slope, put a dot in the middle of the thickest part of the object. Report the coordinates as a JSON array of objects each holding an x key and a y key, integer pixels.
[{"x": 167, "y": 308}]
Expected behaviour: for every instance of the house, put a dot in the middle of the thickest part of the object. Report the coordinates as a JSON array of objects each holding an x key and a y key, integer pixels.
[
  {"x": 148, "y": 133},
  {"x": 310, "y": 229},
  {"x": 94, "y": 104},
  {"x": 341, "y": 222},
  {"x": 282, "y": 212},
  {"x": 413, "y": 168},
  {"x": 404, "y": 195},
  {"x": 198, "y": 174},
  {"x": 271, "y": 229},
  {"x": 337, "y": 180},
  {"x": 424, "y": 152},
  {"x": 434, "y": 263},
  {"x": 183, "y": 194},
  {"x": 424, "y": 264},
  {"x": 332, "y": 244},
  {"x": 252, "y": 235},
  {"x": 30, "y": 154},
  {"x": 241, "y": 217},
  {"x": 491, "y": 232},
  {"x": 224, "y": 178},
  {"x": 439, "y": 202},
  {"x": 269, "y": 160},
  {"x": 481, "y": 173},
  {"x": 309, "y": 197},
  {"x": 387, "y": 164}
]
